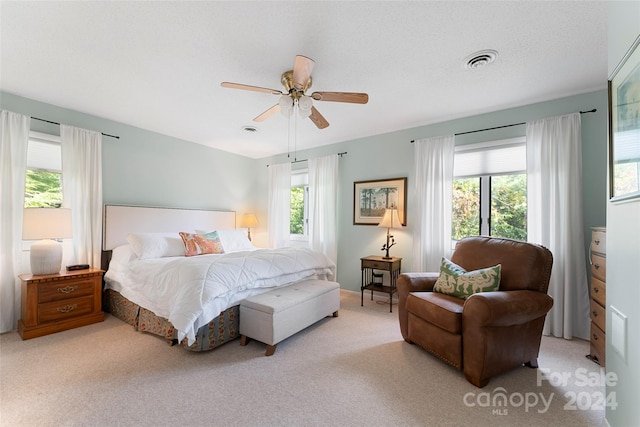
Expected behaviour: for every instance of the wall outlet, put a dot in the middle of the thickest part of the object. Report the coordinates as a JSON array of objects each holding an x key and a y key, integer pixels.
[{"x": 619, "y": 332}]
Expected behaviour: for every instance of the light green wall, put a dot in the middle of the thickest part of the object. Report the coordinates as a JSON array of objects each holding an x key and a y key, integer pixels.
[
  {"x": 147, "y": 168},
  {"x": 391, "y": 155},
  {"x": 623, "y": 252}
]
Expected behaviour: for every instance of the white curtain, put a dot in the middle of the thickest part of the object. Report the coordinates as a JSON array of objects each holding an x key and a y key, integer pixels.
[
  {"x": 433, "y": 198},
  {"x": 323, "y": 205},
  {"x": 14, "y": 140},
  {"x": 554, "y": 218},
  {"x": 82, "y": 190},
  {"x": 279, "y": 209}
]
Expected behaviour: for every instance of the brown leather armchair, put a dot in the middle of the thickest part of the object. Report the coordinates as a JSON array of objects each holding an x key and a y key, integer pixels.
[{"x": 487, "y": 333}]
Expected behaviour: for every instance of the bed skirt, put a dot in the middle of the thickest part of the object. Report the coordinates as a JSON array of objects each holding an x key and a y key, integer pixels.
[{"x": 220, "y": 330}]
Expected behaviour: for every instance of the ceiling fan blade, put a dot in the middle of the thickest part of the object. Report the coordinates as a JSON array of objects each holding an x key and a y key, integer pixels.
[
  {"x": 302, "y": 68},
  {"x": 270, "y": 112},
  {"x": 252, "y": 88},
  {"x": 353, "y": 97},
  {"x": 318, "y": 119}
]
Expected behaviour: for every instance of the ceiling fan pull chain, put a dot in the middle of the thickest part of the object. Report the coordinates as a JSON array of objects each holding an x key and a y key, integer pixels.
[
  {"x": 295, "y": 132},
  {"x": 289, "y": 137}
]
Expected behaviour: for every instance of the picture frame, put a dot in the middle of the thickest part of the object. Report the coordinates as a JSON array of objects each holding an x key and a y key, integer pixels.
[
  {"x": 371, "y": 198},
  {"x": 624, "y": 127}
]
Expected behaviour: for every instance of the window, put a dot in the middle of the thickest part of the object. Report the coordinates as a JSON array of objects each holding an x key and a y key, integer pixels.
[
  {"x": 490, "y": 190},
  {"x": 299, "y": 222},
  {"x": 43, "y": 183}
]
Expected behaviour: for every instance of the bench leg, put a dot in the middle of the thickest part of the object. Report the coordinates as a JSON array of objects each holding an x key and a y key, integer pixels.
[
  {"x": 244, "y": 340},
  {"x": 335, "y": 314},
  {"x": 270, "y": 350}
]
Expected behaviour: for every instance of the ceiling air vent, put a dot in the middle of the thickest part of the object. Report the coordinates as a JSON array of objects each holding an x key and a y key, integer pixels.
[
  {"x": 480, "y": 59},
  {"x": 250, "y": 129}
]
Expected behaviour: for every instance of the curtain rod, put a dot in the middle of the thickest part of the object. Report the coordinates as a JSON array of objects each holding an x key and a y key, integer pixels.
[
  {"x": 306, "y": 160},
  {"x": 56, "y": 123},
  {"x": 504, "y": 126}
]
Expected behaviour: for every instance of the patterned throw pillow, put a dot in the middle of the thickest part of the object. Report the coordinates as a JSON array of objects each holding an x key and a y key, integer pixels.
[
  {"x": 455, "y": 280},
  {"x": 195, "y": 244}
]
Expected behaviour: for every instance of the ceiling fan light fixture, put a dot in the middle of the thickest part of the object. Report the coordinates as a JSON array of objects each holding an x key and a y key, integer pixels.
[
  {"x": 304, "y": 106},
  {"x": 286, "y": 105}
]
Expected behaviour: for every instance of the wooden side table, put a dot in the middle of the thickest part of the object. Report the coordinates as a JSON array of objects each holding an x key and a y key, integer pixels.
[
  {"x": 368, "y": 264},
  {"x": 57, "y": 302}
]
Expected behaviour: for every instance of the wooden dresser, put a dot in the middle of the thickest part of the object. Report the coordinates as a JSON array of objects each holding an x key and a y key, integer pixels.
[
  {"x": 598, "y": 292},
  {"x": 57, "y": 302}
]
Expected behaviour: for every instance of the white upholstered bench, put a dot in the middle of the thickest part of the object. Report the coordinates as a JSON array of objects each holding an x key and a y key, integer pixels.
[{"x": 273, "y": 316}]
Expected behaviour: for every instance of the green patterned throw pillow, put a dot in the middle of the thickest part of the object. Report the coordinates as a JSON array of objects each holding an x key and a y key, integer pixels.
[{"x": 455, "y": 280}]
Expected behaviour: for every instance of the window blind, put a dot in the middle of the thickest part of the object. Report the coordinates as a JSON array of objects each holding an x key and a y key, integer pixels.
[
  {"x": 490, "y": 158},
  {"x": 44, "y": 152}
]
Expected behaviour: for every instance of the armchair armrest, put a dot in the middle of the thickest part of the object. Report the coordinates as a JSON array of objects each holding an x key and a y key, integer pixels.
[
  {"x": 407, "y": 283},
  {"x": 501, "y": 330},
  {"x": 505, "y": 308}
]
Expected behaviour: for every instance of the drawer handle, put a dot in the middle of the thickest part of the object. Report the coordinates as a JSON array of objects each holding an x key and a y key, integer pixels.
[
  {"x": 597, "y": 241},
  {"x": 68, "y": 289},
  {"x": 595, "y": 337},
  {"x": 594, "y": 313},
  {"x": 67, "y": 308},
  {"x": 596, "y": 290},
  {"x": 597, "y": 266}
]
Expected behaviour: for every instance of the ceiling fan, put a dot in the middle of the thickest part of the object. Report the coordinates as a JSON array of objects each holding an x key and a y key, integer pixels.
[{"x": 296, "y": 82}]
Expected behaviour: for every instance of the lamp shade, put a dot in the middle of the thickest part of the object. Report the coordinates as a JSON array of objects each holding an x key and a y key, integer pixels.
[
  {"x": 248, "y": 220},
  {"x": 46, "y": 224},
  {"x": 390, "y": 219}
]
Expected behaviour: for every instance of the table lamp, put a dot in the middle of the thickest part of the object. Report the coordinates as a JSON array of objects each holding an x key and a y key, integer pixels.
[
  {"x": 46, "y": 224},
  {"x": 247, "y": 221},
  {"x": 389, "y": 220}
]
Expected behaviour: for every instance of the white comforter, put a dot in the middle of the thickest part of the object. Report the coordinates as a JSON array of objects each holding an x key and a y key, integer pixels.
[{"x": 191, "y": 291}]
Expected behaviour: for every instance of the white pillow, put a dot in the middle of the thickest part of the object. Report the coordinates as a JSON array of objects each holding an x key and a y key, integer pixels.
[
  {"x": 156, "y": 245},
  {"x": 233, "y": 240},
  {"x": 120, "y": 257}
]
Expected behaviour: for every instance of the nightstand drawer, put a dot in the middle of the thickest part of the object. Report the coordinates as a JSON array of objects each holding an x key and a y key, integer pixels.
[
  {"x": 376, "y": 264},
  {"x": 61, "y": 290},
  {"x": 60, "y": 310}
]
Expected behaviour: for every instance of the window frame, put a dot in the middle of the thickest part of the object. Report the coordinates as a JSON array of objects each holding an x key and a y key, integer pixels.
[
  {"x": 45, "y": 138},
  {"x": 303, "y": 175},
  {"x": 485, "y": 184}
]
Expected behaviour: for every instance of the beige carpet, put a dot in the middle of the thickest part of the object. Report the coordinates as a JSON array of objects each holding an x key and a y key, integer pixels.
[{"x": 354, "y": 370}]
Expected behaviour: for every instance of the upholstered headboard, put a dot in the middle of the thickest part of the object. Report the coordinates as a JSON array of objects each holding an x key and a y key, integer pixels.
[{"x": 120, "y": 220}]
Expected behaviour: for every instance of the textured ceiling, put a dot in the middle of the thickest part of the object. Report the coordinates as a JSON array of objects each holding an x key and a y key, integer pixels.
[{"x": 159, "y": 65}]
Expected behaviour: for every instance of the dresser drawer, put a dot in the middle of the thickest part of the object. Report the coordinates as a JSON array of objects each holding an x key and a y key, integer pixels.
[
  {"x": 599, "y": 242},
  {"x": 60, "y": 310},
  {"x": 599, "y": 291},
  {"x": 598, "y": 314},
  {"x": 599, "y": 267},
  {"x": 65, "y": 289},
  {"x": 598, "y": 344}
]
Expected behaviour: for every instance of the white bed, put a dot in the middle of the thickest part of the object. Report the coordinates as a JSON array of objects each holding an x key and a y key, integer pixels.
[{"x": 151, "y": 284}]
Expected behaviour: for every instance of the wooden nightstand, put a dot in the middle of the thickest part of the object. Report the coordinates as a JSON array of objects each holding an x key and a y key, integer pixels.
[
  {"x": 57, "y": 302},
  {"x": 368, "y": 265}
]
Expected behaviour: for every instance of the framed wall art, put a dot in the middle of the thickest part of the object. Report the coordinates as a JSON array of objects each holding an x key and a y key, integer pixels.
[
  {"x": 624, "y": 127},
  {"x": 371, "y": 198}
]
